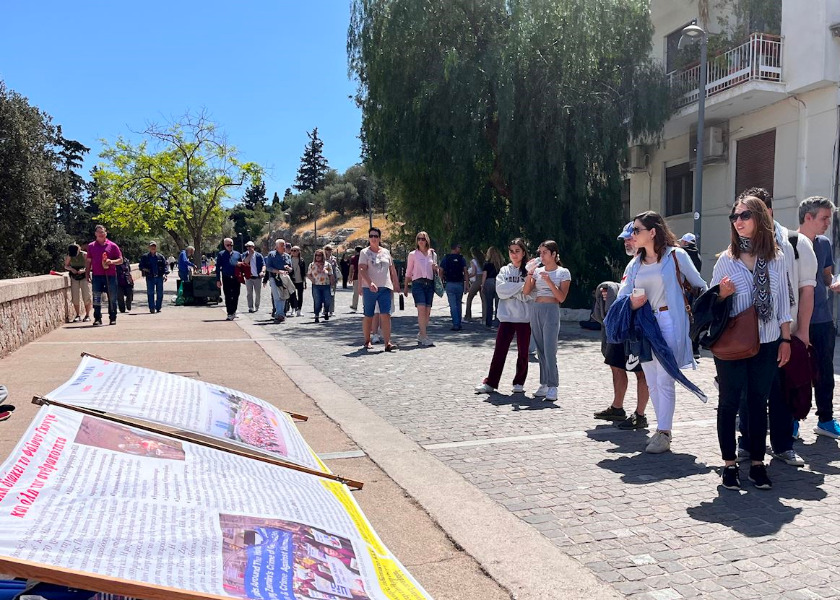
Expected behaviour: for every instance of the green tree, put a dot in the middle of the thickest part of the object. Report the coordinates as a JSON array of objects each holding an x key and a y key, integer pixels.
[
  {"x": 255, "y": 196},
  {"x": 509, "y": 113},
  {"x": 275, "y": 202},
  {"x": 313, "y": 166},
  {"x": 173, "y": 181}
]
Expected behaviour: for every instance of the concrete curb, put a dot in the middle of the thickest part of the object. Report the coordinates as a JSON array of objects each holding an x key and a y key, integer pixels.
[{"x": 515, "y": 555}]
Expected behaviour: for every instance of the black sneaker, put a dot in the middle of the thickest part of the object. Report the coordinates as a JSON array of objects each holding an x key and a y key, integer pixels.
[
  {"x": 634, "y": 421},
  {"x": 612, "y": 414},
  {"x": 97, "y": 322},
  {"x": 112, "y": 322},
  {"x": 758, "y": 475},
  {"x": 732, "y": 477}
]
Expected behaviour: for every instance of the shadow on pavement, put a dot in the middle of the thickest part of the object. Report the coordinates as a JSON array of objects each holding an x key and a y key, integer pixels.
[
  {"x": 519, "y": 402},
  {"x": 626, "y": 441},
  {"x": 651, "y": 468}
]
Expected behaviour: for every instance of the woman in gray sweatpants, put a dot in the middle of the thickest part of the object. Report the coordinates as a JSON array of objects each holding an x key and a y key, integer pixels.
[{"x": 551, "y": 282}]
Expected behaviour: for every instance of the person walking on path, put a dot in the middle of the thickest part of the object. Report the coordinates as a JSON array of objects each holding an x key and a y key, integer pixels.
[
  {"x": 652, "y": 277},
  {"x": 476, "y": 274},
  {"x": 76, "y": 264},
  {"x": 276, "y": 262},
  {"x": 125, "y": 286},
  {"x": 256, "y": 262},
  {"x": 298, "y": 275},
  {"x": 344, "y": 266},
  {"x": 420, "y": 274},
  {"x": 492, "y": 264},
  {"x": 101, "y": 262},
  {"x": 456, "y": 282},
  {"x": 226, "y": 264},
  {"x": 814, "y": 219},
  {"x": 753, "y": 270},
  {"x": 320, "y": 274},
  {"x": 514, "y": 319},
  {"x": 354, "y": 279},
  {"x": 615, "y": 356},
  {"x": 156, "y": 271},
  {"x": 551, "y": 282},
  {"x": 331, "y": 260},
  {"x": 378, "y": 279}
]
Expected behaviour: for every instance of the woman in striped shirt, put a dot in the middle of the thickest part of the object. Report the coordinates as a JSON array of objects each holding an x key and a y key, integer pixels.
[{"x": 753, "y": 269}]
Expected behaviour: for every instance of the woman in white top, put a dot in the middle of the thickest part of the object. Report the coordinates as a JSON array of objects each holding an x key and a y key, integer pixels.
[
  {"x": 551, "y": 282},
  {"x": 653, "y": 274},
  {"x": 420, "y": 273},
  {"x": 753, "y": 269},
  {"x": 476, "y": 280},
  {"x": 514, "y": 314}
]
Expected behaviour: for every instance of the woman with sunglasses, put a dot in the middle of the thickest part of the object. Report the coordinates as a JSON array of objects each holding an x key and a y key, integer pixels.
[
  {"x": 378, "y": 279},
  {"x": 298, "y": 275},
  {"x": 753, "y": 269},
  {"x": 420, "y": 273},
  {"x": 514, "y": 313},
  {"x": 320, "y": 274},
  {"x": 652, "y": 277}
]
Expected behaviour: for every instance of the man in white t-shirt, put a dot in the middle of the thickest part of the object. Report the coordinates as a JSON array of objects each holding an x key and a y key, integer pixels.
[{"x": 378, "y": 280}]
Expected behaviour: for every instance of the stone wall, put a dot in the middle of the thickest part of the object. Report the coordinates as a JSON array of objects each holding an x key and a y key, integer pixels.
[{"x": 31, "y": 307}]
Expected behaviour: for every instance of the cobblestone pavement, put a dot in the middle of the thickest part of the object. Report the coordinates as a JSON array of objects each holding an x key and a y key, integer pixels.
[{"x": 652, "y": 526}]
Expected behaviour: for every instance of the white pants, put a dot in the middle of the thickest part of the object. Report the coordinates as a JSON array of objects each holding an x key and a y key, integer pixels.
[{"x": 660, "y": 384}]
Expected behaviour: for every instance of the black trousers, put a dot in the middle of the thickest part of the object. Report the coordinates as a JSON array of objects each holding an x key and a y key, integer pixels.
[
  {"x": 823, "y": 337},
  {"x": 753, "y": 377},
  {"x": 230, "y": 287},
  {"x": 125, "y": 296},
  {"x": 781, "y": 419}
]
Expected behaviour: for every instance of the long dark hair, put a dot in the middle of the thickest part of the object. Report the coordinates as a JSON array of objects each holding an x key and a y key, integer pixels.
[
  {"x": 763, "y": 242},
  {"x": 552, "y": 247},
  {"x": 521, "y": 243},
  {"x": 663, "y": 237}
]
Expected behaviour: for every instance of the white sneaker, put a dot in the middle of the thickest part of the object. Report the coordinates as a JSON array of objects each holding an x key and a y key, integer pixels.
[
  {"x": 659, "y": 442},
  {"x": 541, "y": 391},
  {"x": 375, "y": 339},
  {"x": 551, "y": 395},
  {"x": 790, "y": 457},
  {"x": 297, "y": 313},
  {"x": 518, "y": 388},
  {"x": 484, "y": 389}
]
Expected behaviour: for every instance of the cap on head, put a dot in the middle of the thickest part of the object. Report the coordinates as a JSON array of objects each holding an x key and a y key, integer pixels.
[
  {"x": 688, "y": 238},
  {"x": 153, "y": 243},
  {"x": 455, "y": 245},
  {"x": 249, "y": 243},
  {"x": 626, "y": 232}
]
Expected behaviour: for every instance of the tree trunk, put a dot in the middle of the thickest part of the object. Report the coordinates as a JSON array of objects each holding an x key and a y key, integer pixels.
[{"x": 176, "y": 237}]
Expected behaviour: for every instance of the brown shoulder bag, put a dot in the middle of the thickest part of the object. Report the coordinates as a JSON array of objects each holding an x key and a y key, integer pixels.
[{"x": 740, "y": 338}]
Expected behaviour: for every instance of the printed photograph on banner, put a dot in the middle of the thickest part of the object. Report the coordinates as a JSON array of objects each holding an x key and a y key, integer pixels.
[
  {"x": 112, "y": 436},
  {"x": 273, "y": 558},
  {"x": 247, "y": 422}
]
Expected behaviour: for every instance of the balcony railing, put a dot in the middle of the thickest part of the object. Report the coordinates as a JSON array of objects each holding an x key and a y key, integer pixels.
[{"x": 758, "y": 59}]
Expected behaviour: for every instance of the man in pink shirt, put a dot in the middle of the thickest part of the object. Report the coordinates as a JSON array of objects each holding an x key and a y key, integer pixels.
[{"x": 103, "y": 256}]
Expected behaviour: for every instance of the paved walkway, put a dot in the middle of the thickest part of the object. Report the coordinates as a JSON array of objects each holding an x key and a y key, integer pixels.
[{"x": 648, "y": 526}]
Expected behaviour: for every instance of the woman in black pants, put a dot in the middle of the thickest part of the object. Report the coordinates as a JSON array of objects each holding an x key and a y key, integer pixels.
[
  {"x": 753, "y": 269},
  {"x": 298, "y": 276}
]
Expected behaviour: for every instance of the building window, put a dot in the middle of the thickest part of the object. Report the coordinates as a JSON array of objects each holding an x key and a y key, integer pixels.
[
  {"x": 755, "y": 162},
  {"x": 679, "y": 190},
  {"x": 674, "y": 57},
  {"x": 625, "y": 199}
]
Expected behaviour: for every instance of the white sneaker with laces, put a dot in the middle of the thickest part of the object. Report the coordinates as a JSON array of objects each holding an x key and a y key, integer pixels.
[
  {"x": 375, "y": 339},
  {"x": 790, "y": 457},
  {"x": 659, "y": 442},
  {"x": 551, "y": 394},
  {"x": 484, "y": 389},
  {"x": 541, "y": 391},
  {"x": 518, "y": 388}
]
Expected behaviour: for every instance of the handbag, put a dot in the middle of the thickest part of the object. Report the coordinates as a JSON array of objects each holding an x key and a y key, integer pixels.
[
  {"x": 686, "y": 289},
  {"x": 438, "y": 282},
  {"x": 739, "y": 339}
]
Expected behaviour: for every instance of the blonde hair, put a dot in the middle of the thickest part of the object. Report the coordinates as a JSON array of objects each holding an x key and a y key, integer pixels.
[{"x": 428, "y": 240}]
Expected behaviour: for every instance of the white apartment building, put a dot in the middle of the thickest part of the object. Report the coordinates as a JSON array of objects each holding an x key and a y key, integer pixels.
[{"x": 772, "y": 120}]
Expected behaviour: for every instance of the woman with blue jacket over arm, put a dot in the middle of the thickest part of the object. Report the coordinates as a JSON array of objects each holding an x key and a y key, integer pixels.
[
  {"x": 652, "y": 276},
  {"x": 753, "y": 271},
  {"x": 514, "y": 314}
]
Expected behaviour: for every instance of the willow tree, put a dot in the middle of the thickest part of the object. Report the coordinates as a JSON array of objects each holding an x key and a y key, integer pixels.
[
  {"x": 173, "y": 181},
  {"x": 495, "y": 118}
]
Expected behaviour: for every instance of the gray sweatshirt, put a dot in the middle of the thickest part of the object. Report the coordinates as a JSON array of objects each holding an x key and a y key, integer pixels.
[{"x": 514, "y": 306}]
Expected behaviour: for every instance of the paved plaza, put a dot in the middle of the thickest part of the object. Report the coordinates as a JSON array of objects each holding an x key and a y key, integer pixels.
[{"x": 650, "y": 526}]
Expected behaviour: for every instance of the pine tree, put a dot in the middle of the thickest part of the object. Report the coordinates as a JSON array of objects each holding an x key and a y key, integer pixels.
[
  {"x": 275, "y": 201},
  {"x": 313, "y": 166},
  {"x": 255, "y": 196}
]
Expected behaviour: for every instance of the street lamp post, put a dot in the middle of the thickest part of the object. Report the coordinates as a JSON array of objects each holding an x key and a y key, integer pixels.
[
  {"x": 315, "y": 220},
  {"x": 241, "y": 247},
  {"x": 693, "y": 33}
]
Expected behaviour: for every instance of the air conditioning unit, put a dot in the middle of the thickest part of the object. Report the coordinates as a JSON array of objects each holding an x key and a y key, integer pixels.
[
  {"x": 637, "y": 159},
  {"x": 715, "y": 144}
]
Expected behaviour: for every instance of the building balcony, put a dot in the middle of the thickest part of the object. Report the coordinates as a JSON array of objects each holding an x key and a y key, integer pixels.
[{"x": 743, "y": 79}]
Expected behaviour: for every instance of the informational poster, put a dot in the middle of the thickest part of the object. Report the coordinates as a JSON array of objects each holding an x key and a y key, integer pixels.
[
  {"x": 188, "y": 404},
  {"x": 99, "y": 498}
]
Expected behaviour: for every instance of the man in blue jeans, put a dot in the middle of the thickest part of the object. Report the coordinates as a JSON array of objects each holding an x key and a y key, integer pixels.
[
  {"x": 103, "y": 256},
  {"x": 155, "y": 270},
  {"x": 456, "y": 278}
]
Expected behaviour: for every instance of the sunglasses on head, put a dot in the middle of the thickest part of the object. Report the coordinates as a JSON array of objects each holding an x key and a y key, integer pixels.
[{"x": 744, "y": 216}]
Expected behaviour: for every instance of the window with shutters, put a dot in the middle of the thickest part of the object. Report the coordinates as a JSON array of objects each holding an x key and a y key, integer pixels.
[
  {"x": 755, "y": 162},
  {"x": 679, "y": 190}
]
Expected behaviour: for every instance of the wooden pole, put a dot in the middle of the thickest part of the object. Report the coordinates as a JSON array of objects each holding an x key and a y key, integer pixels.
[
  {"x": 98, "y": 583},
  {"x": 188, "y": 436},
  {"x": 297, "y": 416}
]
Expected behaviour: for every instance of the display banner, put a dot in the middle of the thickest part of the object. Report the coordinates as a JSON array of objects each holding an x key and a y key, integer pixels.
[
  {"x": 84, "y": 497},
  {"x": 188, "y": 404}
]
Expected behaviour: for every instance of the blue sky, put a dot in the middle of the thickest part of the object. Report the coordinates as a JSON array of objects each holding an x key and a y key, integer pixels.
[{"x": 266, "y": 71}]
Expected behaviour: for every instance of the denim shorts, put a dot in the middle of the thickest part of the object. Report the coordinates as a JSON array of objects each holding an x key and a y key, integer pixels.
[
  {"x": 423, "y": 291},
  {"x": 381, "y": 296}
]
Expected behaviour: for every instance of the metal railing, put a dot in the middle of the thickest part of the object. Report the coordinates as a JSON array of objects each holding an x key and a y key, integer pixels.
[{"x": 757, "y": 59}]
